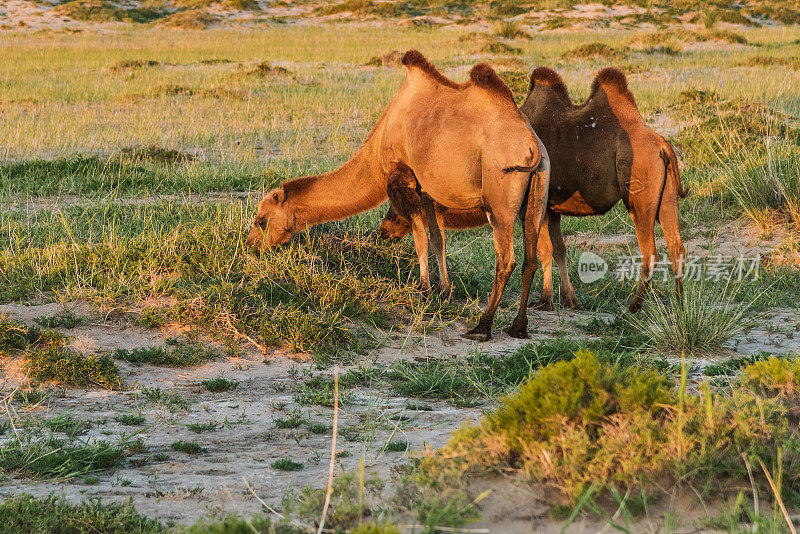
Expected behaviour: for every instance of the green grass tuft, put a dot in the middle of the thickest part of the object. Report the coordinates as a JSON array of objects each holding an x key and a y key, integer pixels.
[
  {"x": 219, "y": 384},
  {"x": 188, "y": 447},
  {"x": 285, "y": 464}
]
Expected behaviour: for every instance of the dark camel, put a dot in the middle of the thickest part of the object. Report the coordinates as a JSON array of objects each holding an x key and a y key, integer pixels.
[
  {"x": 601, "y": 152},
  {"x": 451, "y": 147}
]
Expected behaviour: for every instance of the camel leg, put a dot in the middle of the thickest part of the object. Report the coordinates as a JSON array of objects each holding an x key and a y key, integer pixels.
[
  {"x": 544, "y": 249},
  {"x": 644, "y": 221},
  {"x": 568, "y": 298},
  {"x": 436, "y": 227},
  {"x": 503, "y": 236},
  {"x": 421, "y": 246},
  {"x": 535, "y": 214},
  {"x": 668, "y": 216}
]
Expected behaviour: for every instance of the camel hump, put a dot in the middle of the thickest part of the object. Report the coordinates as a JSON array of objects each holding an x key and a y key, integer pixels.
[
  {"x": 612, "y": 76},
  {"x": 484, "y": 76},
  {"x": 415, "y": 59},
  {"x": 545, "y": 76}
]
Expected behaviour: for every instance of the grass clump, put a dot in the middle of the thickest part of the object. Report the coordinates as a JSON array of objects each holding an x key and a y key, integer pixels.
[
  {"x": 71, "y": 368},
  {"x": 396, "y": 446},
  {"x": 191, "y": 19},
  {"x": 694, "y": 322},
  {"x": 286, "y": 464},
  {"x": 349, "y": 503},
  {"x": 509, "y": 29},
  {"x": 219, "y": 384},
  {"x": 294, "y": 421},
  {"x": 65, "y": 319},
  {"x": 580, "y": 423},
  {"x": 199, "y": 428},
  {"x": 318, "y": 391},
  {"x": 55, "y": 515},
  {"x": 53, "y": 458},
  {"x": 188, "y": 447},
  {"x": 129, "y": 419},
  {"x": 176, "y": 354},
  {"x": 170, "y": 401},
  {"x": 594, "y": 51}
]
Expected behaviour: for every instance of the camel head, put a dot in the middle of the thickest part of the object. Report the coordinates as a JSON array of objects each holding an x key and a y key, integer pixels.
[
  {"x": 394, "y": 228},
  {"x": 272, "y": 225}
]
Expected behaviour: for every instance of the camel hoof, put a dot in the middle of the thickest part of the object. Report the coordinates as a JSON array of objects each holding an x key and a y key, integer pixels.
[
  {"x": 479, "y": 333},
  {"x": 544, "y": 305},
  {"x": 518, "y": 332}
]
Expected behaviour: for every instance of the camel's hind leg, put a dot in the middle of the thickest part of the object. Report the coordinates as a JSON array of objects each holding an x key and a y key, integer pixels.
[
  {"x": 535, "y": 213},
  {"x": 435, "y": 216},
  {"x": 503, "y": 236},
  {"x": 568, "y": 298},
  {"x": 544, "y": 249},
  {"x": 643, "y": 211},
  {"x": 668, "y": 216},
  {"x": 405, "y": 201}
]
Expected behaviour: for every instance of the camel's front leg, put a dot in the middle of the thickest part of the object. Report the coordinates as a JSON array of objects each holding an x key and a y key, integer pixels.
[
  {"x": 421, "y": 246},
  {"x": 503, "y": 234},
  {"x": 435, "y": 217}
]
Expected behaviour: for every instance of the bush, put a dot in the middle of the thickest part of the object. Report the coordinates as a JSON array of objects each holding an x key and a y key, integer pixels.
[
  {"x": 72, "y": 368},
  {"x": 776, "y": 376},
  {"x": 583, "y": 422}
]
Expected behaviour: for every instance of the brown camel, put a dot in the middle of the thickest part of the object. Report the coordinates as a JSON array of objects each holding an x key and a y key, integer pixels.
[
  {"x": 460, "y": 146},
  {"x": 601, "y": 151}
]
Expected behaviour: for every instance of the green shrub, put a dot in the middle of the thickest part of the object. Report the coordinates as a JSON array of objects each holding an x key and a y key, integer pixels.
[
  {"x": 580, "y": 423},
  {"x": 72, "y": 368},
  {"x": 776, "y": 376},
  {"x": 54, "y": 458}
]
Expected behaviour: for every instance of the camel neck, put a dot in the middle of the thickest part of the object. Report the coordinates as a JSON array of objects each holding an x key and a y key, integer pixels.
[{"x": 355, "y": 187}]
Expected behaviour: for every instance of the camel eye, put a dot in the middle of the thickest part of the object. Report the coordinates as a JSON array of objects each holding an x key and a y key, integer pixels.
[{"x": 262, "y": 222}]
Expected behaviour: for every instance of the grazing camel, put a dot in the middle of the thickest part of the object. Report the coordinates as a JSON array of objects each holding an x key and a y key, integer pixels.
[
  {"x": 601, "y": 152},
  {"x": 441, "y": 146}
]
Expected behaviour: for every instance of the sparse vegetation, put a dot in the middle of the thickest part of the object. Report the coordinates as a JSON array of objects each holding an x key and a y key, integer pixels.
[
  {"x": 286, "y": 464},
  {"x": 175, "y": 354},
  {"x": 219, "y": 384},
  {"x": 130, "y": 419},
  {"x": 188, "y": 447}
]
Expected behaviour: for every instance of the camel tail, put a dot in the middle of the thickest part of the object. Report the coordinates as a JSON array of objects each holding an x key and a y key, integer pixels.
[{"x": 671, "y": 164}]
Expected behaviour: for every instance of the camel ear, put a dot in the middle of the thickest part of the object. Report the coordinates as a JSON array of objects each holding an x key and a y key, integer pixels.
[{"x": 277, "y": 196}]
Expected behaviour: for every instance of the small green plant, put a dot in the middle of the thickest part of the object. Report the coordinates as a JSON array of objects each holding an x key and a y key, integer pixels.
[
  {"x": 216, "y": 385},
  {"x": 176, "y": 354},
  {"x": 318, "y": 391},
  {"x": 318, "y": 428},
  {"x": 396, "y": 446},
  {"x": 65, "y": 319},
  {"x": 188, "y": 447},
  {"x": 199, "y": 428},
  {"x": 136, "y": 446},
  {"x": 91, "y": 480},
  {"x": 171, "y": 401},
  {"x": 285, "y": 464},
  {"x": 129, "y": 419},
  {"x": 52, "y": 458},
  {"x": 67, "y": 424},
  {"x": 161, "y": 457},
  {"x": 294, "y": 420}
]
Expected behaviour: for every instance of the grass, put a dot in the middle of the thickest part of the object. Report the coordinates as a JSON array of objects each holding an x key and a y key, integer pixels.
[
  {"x": 286, "y": 464},
  {"x": 396, "y": 446},
  {"x": 188, "y": 447},
  {"x": 219, "y": 384},
  {"x": 293, "y": 421},
  {"x": 65, "y": 319},
  {"x": 700, "y": 322},
  {"x": 54, "y": 514},
  {"x": 176, "y": 354},
  {"x": 57, "y": 459},
  {"x": 170, "y": 401},
  {"x": 199, "y": 428},
  {"x": 129, "y": 419}
]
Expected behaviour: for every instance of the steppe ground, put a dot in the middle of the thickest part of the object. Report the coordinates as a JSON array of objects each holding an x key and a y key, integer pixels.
[{"x": 132, "y": 156}]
